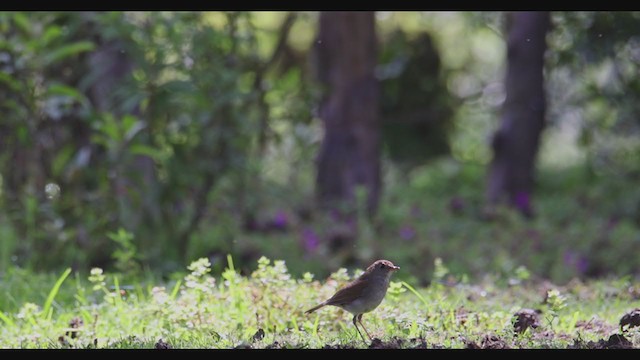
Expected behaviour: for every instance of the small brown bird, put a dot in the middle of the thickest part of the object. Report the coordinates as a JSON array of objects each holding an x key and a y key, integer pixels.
[{"x": 363, "y": 294}]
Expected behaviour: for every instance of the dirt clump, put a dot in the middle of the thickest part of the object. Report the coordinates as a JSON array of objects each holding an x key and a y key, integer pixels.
[
  {"x": 275, "y": 345},
  {"x": 162, "y": 345},
  {"x": 526, "y": 318},
  {"x": 632, "y": 318},
  {"x": 259, "y": 335},
  {"x": 395, "y": 343},
  {"x": 337, "y": 347},
  {"x": 75, "y": 323},
  {"x": 489, "y": 341},
  {"x": 615, "y": 341}
]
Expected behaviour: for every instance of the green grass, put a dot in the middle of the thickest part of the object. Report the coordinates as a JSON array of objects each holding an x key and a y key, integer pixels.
[{"x": 203, "y": 311}]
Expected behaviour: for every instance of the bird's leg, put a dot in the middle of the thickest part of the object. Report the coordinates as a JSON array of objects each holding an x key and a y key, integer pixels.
[
  {"x": 355, "y": 317},
  {"x": 361, "y": 324}
]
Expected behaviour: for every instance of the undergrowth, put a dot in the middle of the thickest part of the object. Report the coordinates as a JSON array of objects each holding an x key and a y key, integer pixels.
[{"x": 265, "y": 309}]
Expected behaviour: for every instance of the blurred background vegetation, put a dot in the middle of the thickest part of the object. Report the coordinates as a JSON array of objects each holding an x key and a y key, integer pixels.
[{"x": 140, "y": 141}]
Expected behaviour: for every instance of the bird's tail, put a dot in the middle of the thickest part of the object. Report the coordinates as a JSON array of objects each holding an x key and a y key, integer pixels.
[{"x": 314, "y": 308}]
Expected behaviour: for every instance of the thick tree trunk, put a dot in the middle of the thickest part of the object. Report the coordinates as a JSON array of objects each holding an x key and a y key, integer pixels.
[
  {"x": 350, "y": 153},
  {"x": 515, "y": 144}
]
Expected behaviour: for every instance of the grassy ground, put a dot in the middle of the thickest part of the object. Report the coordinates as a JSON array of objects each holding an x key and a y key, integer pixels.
[{"x": 266, "y": 310}]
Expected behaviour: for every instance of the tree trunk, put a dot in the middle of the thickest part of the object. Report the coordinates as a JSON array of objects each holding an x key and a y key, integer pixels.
[
  {"x": 350, "y": 153},
  {"x": 133, "y": 179},
  {"x": 515, "y": 144}
]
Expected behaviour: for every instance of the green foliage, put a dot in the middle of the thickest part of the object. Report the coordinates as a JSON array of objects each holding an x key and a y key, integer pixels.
[
  {"x": 603, "y": 55},
  {"x": 54, "y": 291},
  {"x": 440, "y": 271},
  {"x": 416, "y": 106},
  {"x": 395, "y": 289},
  {"x": 139, "y": 120},
  {"x": 197, "y": 278},
  {"x": 126, "y": 253},
  {"x": 97, "y": 278},
  {"x": 265, "y": 309},
  {"x": 555, "y": 301},
  {"x": 521, "y": 274}
]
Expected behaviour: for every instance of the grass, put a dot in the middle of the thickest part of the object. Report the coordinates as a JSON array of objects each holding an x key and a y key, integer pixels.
[{"x": 265, "y": 309}]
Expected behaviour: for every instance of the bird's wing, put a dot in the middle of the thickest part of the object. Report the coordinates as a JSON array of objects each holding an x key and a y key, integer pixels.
[{"x": 348, "y": 293}]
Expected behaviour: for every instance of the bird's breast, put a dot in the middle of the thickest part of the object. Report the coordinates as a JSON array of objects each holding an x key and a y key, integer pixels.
[{"x": 371, "y": 297}]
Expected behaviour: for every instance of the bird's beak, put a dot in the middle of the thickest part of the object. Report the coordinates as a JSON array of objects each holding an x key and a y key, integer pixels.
[{"x": 395, "y": 268}]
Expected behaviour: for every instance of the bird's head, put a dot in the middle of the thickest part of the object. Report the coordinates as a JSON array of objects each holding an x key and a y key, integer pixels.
[{"x": 382, "y": 267}]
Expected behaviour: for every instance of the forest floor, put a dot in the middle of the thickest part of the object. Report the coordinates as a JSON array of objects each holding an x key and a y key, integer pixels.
[{"x": 265, "y": 310}]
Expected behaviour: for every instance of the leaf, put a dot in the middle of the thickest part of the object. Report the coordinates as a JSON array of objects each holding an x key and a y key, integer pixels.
[
  {"x": 132, "y": 102},
  {"x": 22, "y": 22},
  {"x": 146, "y": 150},
  {"x": 53, "y": 32},
  {"x": 415, "y": 293},
  {"x": 230, "y": 262},
  {"x": 12, "y": 105},
  {"x": 178, "y": 86},
  {"x": 6, "y": 319},
  {"x": 61, "y": 160},
  {"x": 23, "y": 134},
  {"x": 132, "y": 126},
  {"x": 68, "y": 51},
  {"x": 54, "y": 292},
  {"x": 101, "y": 139},
  {"x": 12, "y": 83},
  {"x": 64, "y": 90},
  {"x": 175, "y": 290},
  {"x": 108, "y": 126}
]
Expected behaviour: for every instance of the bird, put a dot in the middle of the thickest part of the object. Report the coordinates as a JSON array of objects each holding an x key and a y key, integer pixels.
[{"x": 364, "y": 294}]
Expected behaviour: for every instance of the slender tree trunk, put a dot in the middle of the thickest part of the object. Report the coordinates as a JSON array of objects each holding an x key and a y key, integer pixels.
[
  {"x": 133, "y": 180},
  {"x": 515, "y": 144},
  {"x": 350, "y": 153}
]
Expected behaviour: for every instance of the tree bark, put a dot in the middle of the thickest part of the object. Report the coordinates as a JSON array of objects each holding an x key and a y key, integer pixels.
[
  {"x": 350, "y": 152},
  {"x": 515, "y": 144}
]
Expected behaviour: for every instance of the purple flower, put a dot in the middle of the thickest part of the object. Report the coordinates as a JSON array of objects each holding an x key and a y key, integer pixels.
[
  {"x": 576, "y": 261},
  {"x": 335, "y": 215},
  {"x": 523, "y": 201},
  {"x": 280, "y": 221},
  {"x": 407, "y": 232},
  {"x": 612, "y": 222},
  {"x": 456, "y": 205},
  {"x": 582, "y": 265},
  {"x": 310, "y": 240}
]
